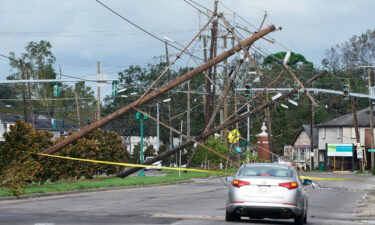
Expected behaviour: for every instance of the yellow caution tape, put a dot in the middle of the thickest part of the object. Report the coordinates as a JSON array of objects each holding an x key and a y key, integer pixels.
[
  {"x": 134, "y": 165},
  {"x": 174, "y": 168},
  {"x": 326, "y": 178}
]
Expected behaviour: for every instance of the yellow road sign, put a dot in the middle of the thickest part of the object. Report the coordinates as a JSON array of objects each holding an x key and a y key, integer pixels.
[{"x": 234, "y": 136}]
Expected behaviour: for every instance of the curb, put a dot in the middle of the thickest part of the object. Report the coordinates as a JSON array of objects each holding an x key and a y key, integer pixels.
[{"x": 49, "y": 194}]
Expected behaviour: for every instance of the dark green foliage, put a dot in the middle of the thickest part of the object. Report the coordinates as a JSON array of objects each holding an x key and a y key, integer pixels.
[
  {"x": 208, "y": 159},
  {"x": 294, "y": 60},
  {"x": 138, "y": 79},
  {"x": 18, "y": 166}
]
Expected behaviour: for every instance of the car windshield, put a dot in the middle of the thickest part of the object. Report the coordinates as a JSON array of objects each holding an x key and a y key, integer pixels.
[{"x": 265, "y": 171}]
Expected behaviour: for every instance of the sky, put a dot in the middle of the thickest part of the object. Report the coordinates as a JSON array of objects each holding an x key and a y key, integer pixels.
[{"x": 83, "y": 32}]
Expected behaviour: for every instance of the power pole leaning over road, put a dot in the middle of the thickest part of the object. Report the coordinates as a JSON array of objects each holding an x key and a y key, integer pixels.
[{"x": 148, "y": 97}]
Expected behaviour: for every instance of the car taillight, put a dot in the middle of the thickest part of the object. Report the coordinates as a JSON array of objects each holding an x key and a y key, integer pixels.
[
  {"x": 289, "y": 185},
  {"x": 240, "y": 183}
]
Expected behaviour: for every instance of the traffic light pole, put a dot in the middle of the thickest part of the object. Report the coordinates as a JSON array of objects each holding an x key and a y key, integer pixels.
[{"x": 141, "y": 119}]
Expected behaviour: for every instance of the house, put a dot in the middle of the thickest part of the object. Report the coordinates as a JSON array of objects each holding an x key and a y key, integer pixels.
[
  {"x": 337, "y": 140},
  {"x": 300, "y": 149},
  {"x": 57, "y": 127}
]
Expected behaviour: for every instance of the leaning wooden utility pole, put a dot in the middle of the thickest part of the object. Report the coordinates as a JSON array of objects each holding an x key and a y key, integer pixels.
[
  {"x": 179, "y": 80},
  {"x": 214, "y": 130}
]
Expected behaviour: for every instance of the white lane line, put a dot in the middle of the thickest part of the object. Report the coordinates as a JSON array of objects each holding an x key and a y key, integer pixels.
[{"x": 188, "y": 217}]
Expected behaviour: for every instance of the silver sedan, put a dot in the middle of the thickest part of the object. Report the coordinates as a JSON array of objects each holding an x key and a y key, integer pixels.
[{"x": 267, "y": 190}]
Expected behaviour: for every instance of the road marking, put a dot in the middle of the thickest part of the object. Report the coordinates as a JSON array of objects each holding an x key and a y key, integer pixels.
[
  {"x": 218, "y": 218},
  {"x": 44, "y": 224},
  {"x": 368, "y": 221}
]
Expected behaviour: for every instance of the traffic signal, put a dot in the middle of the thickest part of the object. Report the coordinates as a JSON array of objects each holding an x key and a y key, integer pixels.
[
  {"x": 56, "y": 90},
  {"x": 87, "y": 122},
  {"x": 248, "y": 90},
  {"x": 295, "y": 97},
  {"x": 345, "y": 92},
  {"x": 54, "y": 124},
  {"x": 114, "y": 87}
]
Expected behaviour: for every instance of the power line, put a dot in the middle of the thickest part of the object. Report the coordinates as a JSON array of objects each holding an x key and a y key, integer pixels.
[
  {"x": 12, "y": 59},
  {"x": 144, "y": 30}
]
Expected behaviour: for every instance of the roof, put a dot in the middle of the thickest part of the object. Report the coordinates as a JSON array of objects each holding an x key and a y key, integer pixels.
[
  {"x": 42, "y": 122},
  {"x": 307, "y": 129},
  {"x": 267, "y": 164},
  {"x": 363, "y": 117}
]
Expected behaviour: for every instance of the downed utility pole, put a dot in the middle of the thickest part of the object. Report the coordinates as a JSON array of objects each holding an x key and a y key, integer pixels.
[
  {"x": 179, "y": 80},
  {"x": 204, "y": 135}
]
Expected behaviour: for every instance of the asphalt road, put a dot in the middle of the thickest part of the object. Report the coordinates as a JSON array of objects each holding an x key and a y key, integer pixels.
[{"x": 200, "y": 202}]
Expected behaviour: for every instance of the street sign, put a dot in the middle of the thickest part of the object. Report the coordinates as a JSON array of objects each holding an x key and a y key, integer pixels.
[
  {"x": 234, "y": 136},
  {"x": 371, "y": 150},
  {"x": 360, "y": 152},
  {"x": 344, "y": 150},
  {"x": 238, "y": 149}
]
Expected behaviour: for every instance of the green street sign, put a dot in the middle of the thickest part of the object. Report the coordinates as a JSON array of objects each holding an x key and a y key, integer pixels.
[
  {"x": 238, "y": 149},
  {"x": 371, "y": 150}
]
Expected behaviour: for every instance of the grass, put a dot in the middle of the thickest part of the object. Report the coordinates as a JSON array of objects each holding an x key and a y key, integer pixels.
[{"x": 103, "y": 182}]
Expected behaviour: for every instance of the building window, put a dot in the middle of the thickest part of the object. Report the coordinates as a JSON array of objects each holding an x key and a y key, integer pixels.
[
  {"x": 338, "y": 133},
  {"x": 352, "y": 132},
  {"x": 324, "y": 133}
]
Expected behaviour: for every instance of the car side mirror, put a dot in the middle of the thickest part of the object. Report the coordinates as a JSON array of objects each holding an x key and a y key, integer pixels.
[
  {"x": 307, "y": 182},
  {"x": 230, "y": 179}
]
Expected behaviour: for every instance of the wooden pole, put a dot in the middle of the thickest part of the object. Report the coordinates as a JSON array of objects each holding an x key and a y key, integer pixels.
[
  {"x": 179, "y": 80},
  {"x": 355, "y": 121},
  {"x": 216, "y": 129}
]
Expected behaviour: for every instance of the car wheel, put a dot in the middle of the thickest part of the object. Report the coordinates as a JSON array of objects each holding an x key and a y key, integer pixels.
[
  {"x": 230, "y": 216},
  {"x": 299, "y": 220}
]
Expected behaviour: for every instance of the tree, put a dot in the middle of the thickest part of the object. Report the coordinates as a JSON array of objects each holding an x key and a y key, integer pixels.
[
  {"x": 36, "y": 63},
  {"x": 137, "y": 79},
  {"x": 357, "y": 51},
  {"x": 208, "y": 159},
  {"x": 18, "y": 164},
  {"x": 295, "y": 59},
  {"x": 98, "y": 145}
]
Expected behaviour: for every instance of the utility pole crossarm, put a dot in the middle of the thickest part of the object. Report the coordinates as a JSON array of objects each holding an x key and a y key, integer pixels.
[{"x": 179, "y": 80}]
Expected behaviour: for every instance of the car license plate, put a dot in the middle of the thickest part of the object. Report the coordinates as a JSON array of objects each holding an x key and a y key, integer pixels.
[{"x": 264, "y": 189}]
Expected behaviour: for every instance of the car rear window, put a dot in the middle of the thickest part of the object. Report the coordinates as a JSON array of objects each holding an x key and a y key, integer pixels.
[{"x": 265, "y": 171}]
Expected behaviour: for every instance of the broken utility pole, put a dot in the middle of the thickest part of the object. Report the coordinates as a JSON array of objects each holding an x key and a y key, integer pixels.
[
  {"x": 179, "y": 80},
  {"x": 216, "y": 129}
]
